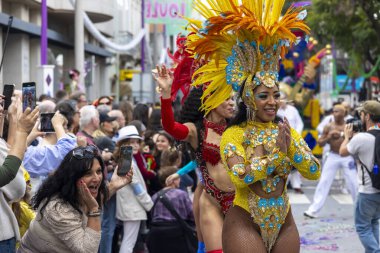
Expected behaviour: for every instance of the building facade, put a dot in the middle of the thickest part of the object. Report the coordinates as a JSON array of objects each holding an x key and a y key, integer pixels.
[{"x": 119, "y": 20}]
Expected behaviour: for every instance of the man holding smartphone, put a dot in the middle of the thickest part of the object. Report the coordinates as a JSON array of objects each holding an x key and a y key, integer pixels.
[{"x": 42, "y": 159}]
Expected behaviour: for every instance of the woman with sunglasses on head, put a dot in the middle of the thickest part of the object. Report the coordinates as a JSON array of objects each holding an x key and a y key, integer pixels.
[
  {"x": 242, "y": 43},
  {"x": 69, "y": 205}
]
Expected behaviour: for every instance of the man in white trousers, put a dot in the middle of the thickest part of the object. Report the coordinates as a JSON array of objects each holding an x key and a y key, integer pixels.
[{"x": 333, "y": 135}]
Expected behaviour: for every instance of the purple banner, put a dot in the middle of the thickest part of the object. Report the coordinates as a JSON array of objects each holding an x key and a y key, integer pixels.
[{"x": 302, "y": 4}]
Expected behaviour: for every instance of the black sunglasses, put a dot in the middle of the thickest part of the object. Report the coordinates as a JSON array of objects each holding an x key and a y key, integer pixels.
[
  {"x": 87, "y": 152},
  {"x": 105, "y": 103}
]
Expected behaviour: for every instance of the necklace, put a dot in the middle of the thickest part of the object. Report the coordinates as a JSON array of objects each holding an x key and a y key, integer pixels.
[{"x": 217, "y": 127}]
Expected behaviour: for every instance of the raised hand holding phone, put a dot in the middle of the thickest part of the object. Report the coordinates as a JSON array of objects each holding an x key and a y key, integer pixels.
[
  {"x": 125, "y": 160},
  {"x": 34, "y": 134},
  {"x": 28, "y": 95},
  {"x": 118, "y": 182},
  {"x": 46, "y": 125},
  {"x": 8, "y": 93}
]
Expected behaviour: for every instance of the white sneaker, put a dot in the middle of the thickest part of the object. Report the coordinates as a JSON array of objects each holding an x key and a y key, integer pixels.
[{"x": 310, "y": 215}]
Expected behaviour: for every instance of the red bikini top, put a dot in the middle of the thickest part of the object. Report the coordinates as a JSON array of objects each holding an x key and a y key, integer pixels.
[{"x": 210, "y": 151}]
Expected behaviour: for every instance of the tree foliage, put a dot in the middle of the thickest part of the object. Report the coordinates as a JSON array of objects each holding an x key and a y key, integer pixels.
[{"x": 352, "y": 25}]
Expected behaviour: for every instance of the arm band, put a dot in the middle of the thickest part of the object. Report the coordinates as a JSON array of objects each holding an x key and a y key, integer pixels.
[
  {"x": 137, "y": 188},
  {"x": 177, "y": 130},
  {"x": 187, "y": 168}
]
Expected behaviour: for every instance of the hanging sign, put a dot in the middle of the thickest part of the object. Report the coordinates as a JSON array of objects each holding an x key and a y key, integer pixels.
[{"x": 167, "y": 11}]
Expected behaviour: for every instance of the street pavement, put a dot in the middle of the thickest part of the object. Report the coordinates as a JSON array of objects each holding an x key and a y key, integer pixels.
[{"x": 333, "y": 230}]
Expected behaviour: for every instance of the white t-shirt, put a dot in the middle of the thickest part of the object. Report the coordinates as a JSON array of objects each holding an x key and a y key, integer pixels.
[
  {"x": 362, "y": 146},
  {"x": 293, "y": 116}
]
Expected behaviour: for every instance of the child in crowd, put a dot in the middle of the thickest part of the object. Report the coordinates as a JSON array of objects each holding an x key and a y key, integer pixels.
[
  {"x": 173, "y": 157},
  {"x": 22, "y": 209}
]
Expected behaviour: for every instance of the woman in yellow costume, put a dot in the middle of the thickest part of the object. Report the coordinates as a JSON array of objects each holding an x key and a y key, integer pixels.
[{"x": 241, "y": 45}]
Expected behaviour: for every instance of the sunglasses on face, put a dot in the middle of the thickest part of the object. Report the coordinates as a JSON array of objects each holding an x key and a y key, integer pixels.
[
  {"x": 87, "y": 152},
  {"x": 105, "y": 103}
]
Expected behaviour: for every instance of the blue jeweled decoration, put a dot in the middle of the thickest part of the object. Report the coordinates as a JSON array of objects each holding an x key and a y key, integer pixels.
[
  {"x": 313, "y": 168},
  {"x": 270, "y": 169},
  {"x": 297, "y": 158},
  {"x": 248, "y": 179},
  {"x": 263, "y": 203},
  {"x": 280, "y": 201}
]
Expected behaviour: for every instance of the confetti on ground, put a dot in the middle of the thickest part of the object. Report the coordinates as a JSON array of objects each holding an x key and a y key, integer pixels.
[{"x": 322, "y": 234}]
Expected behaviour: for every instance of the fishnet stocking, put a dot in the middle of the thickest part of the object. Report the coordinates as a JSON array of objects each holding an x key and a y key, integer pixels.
[{"x": 241, "y": 235}]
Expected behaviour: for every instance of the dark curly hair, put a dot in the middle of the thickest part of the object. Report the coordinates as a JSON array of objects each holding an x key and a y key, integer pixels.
[
  {"x": 63, "y": 182},
  {"x": 190, "y": 109}
]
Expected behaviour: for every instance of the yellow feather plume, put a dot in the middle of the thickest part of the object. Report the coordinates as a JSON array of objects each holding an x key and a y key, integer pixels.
[{"x": 227, "y": 27}]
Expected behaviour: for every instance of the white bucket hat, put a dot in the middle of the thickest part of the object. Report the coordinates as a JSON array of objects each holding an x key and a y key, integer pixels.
[{"x": 128, "y": 132}]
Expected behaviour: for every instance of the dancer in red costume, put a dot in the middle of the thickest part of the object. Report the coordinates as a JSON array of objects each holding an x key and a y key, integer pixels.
[{"x": 214, "y": 197}]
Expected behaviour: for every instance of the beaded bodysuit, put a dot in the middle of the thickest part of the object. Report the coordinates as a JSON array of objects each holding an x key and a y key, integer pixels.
[
  {"x": 208, "y": 152},
  {"x": 240, "y": 142}
]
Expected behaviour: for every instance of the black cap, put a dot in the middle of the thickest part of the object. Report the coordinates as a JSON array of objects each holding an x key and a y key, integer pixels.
[
  {"x": 103, "y": 117},
  {"x": 105, "y": 143}
]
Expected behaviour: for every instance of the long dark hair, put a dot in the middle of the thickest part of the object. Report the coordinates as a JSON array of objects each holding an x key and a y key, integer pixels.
[
  {"x": 190, "y": 109},
  {"x": 67, "y": 109},
  {"x": 171, "y": 141},
  {"x": 141, "y": 112},
  {"x": 63, "y": 182}
]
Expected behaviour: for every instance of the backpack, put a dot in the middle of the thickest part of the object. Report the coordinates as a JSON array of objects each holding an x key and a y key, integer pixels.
[{"x": 374, "y": 173}]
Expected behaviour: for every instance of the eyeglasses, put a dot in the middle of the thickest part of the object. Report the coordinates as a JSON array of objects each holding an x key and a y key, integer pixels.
[
  {"x": 105, "y": 103},
  {"x": 87, "y": 152}
]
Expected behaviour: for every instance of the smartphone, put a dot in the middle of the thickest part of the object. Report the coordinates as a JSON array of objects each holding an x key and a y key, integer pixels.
[
  {"x": 45, "y": 122},
  {"x": 125, "y": 160},
  {"x": 8, "y": 93},
  {"x": 28, "y": 95}
]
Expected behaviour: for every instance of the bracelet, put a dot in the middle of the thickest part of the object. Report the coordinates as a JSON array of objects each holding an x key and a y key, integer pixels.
[
  {"x": 238, "y": 169},
  {"x": 94, "y": 213}
]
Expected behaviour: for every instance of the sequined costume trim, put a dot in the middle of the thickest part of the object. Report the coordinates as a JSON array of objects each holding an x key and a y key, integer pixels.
[
  {"x": 224, "y": 199},
  {"x": 239, "y": 143},
  {"x": 269, "y": 215},
  {"x": 210, "y": 153}
]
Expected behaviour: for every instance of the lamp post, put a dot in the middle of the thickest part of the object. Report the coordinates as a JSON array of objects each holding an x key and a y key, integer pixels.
[
  {"x": 45, "y": 83},
  {"x": 79, "y": 40}
]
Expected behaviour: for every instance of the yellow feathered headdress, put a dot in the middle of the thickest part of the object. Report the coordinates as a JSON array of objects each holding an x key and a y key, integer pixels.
[{"x": 241, "y": 44}]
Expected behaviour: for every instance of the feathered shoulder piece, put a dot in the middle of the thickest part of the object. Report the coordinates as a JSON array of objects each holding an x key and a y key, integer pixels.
[
  {"x": 183, "y": 69},
  {"x": 240, "y": 43}
]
